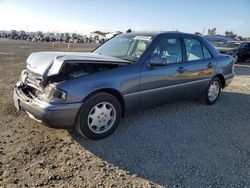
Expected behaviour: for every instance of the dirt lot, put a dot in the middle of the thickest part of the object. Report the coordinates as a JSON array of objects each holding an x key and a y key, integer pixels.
[{"x": 186, "y": 144}]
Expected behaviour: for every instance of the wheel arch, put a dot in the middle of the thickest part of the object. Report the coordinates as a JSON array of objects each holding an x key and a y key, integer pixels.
[
  {"x": 222, "y": 79},
  {"x": 113, "y": 92}
]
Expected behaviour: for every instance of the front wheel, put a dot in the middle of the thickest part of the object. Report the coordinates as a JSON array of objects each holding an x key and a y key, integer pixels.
[
  {"x": 213, "y": 91},
  {"x": 99, "y": 116}
]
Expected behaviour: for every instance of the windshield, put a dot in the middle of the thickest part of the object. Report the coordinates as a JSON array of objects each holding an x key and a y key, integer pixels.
[
  {"x": 125, "y": 47},
  {"x": 230, "y": 45}
]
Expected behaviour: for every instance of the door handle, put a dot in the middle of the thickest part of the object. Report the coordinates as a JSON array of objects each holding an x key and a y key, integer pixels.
[
  {"x": 181, "y": 69},
  {"x": 210, "y": 65}
]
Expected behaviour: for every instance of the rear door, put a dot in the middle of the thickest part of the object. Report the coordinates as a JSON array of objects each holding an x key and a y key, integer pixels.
[
  {"x": 163, "y": 82},
  {"x": 200, "y": 66}
]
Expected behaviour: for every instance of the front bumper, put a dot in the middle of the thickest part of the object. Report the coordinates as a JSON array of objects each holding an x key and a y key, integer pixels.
[{"x": 53, "y": 115}]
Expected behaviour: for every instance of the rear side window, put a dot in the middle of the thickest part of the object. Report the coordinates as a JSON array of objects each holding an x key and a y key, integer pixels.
[
  {"x": 207, "y": 54},
  {"x": 193, "y": 49}
]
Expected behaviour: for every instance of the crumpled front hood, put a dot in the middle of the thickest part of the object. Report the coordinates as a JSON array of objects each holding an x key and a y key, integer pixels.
[{"x": 49, "y": 63}]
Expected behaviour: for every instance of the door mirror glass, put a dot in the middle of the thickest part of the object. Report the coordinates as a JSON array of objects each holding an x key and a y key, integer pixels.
[{"x": 157, "y": 61}]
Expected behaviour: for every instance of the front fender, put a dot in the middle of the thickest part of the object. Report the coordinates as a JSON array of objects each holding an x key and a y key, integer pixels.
[{"x": 123, "y": 79}]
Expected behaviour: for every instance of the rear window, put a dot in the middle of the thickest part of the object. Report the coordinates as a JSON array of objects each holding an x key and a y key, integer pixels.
[
  {"x": 207, "y": 54},
  {"x": 193, "y": 49}
]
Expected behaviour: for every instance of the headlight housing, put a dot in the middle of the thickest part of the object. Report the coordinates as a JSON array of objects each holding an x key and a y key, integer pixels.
[
  {"x": 53, "y": 94},
  {"x": 23, "y": 76}
]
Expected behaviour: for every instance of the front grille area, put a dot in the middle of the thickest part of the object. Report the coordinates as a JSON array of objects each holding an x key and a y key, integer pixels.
[{"x": 32, "y": 80}]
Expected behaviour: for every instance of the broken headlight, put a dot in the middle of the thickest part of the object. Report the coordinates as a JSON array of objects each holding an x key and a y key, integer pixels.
[
  {"x": 23, "y": 76},
  {"x": 53, "y": 94}
]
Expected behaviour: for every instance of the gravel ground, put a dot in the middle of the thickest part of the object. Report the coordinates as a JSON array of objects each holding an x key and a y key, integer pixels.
[{"x": 185, "y": 144}]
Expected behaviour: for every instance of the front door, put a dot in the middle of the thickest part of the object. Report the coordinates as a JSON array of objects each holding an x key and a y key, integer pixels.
[{"x": 161, "y": 77}]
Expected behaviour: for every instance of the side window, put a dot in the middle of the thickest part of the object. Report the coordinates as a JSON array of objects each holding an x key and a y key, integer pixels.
[
  {"x": 244, "y": 45},
  {"x": 207, "y": 54},
  {"x": 168, "y": 50},
  {"x": 193, "y": 49}
]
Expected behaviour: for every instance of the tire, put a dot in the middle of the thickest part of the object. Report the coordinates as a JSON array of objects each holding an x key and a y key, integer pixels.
[
  {"x": 99, "y": 116},
  {"x": 213, "y": 91}
]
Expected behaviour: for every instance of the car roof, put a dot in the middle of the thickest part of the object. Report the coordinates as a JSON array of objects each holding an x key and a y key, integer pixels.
[
  {"x": 157, "y": 33},
  {"x": 175, "y": 34}
]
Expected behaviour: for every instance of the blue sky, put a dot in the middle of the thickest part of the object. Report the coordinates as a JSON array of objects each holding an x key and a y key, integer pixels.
[{"x": 110, "y": 15}]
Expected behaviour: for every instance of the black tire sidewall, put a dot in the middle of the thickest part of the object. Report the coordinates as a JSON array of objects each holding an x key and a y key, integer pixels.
[
  {"x": 208, "y": 101},
  {"x": 88, "y": 105}
]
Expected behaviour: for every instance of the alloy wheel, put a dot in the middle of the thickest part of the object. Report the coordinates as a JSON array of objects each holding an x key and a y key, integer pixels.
[
  {"x": 101, "y": 117},
  {"x": 214, "y": 90}
]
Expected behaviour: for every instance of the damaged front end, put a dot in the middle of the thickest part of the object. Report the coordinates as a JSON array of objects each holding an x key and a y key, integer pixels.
[
  {"x": 34, "y": 86},
  {"x": 40, "y": 82},
  {"x": 37, "y": 92},
  {"x": 27, "y": 99}
]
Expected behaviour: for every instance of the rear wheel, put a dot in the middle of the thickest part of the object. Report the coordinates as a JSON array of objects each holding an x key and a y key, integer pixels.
[
  {"x": 99, "y": 116},
  {"x": 213, "y": 91}
]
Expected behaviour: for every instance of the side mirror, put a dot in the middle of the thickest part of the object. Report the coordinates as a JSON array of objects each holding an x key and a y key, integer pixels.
[{"x": 157, "y": 61}]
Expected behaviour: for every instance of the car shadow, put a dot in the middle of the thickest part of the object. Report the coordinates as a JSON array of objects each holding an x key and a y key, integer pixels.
[{"x": 185, "y": 143}]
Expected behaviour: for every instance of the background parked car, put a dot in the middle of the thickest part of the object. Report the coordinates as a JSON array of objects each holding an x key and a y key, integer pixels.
[
  {"x": 239, "y": 50},
  {"x": 217, "y": 40}
]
